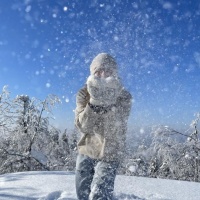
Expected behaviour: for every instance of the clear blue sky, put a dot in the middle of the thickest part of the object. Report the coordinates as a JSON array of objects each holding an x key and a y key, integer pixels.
[{"x": 46, "y": 46}]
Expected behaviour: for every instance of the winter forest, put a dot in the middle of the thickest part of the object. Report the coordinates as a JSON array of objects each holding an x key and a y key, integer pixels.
[
  {"x": 29, "y": 142},
  {"x": 45, "y": 51}
]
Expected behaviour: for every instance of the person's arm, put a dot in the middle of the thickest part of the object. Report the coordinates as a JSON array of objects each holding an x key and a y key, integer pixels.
[
  {"x": 125, "y": 103},
  {"x": 85, "y": 116}
]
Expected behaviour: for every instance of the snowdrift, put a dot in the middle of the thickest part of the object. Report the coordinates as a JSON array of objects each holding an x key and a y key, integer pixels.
[{"x": 59, "y": 185}]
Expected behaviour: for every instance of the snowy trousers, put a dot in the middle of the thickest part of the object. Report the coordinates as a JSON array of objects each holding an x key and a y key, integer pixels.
[{"x": 95, "y": 178}]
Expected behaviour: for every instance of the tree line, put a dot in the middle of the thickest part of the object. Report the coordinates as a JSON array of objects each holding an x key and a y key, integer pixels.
[
  {"x": 29, "y": 142},
  {"x": 170, "y": 154}
]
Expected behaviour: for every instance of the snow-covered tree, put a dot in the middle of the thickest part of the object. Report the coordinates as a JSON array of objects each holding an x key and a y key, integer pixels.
[
  {"x": 29, "y": 141},
  {"x": 5, "y": 111},
  {"x": 168, "y": 155}
]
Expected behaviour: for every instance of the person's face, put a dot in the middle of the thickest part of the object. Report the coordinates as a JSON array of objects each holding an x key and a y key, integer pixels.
[{"x": 104, "y": 73}]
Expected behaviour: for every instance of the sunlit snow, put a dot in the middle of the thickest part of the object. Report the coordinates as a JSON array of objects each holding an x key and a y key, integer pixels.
[
  {"x": 65, "y": 8},
  {"x": 67, "y": 100},
  {"x": 28, "y": 8},
  {"x": 60, "y": 185},
  {"x": 48, "y": 85}
]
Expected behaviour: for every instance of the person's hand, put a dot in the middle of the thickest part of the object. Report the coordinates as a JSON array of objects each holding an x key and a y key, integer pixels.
[
  {"x": 103, "y": 91},
  {"x": 95, "y": 89},
  {"x": 112, "y": 89}
]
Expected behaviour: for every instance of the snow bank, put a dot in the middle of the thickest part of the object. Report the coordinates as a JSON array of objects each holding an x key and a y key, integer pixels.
[{"x": 60, "y": 186}]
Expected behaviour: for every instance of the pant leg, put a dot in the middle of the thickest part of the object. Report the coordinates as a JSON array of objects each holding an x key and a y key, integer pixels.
[
  {"x": 84, "y": 175},
  {"x": 102, "y": 186}
]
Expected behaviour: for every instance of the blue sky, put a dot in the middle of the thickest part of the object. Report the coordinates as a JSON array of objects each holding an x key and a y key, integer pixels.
[{"x": 47, "y": 46}]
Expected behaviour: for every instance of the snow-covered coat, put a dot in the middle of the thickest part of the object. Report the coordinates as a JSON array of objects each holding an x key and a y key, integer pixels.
[{"x": 103, "y": 134}]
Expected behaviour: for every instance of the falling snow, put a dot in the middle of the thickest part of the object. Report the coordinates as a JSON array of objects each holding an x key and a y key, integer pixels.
[{"x": 156, "y": 45}]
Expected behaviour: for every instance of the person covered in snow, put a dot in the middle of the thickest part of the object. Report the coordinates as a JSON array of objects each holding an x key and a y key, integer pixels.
[{"x": 102, "y": 110}]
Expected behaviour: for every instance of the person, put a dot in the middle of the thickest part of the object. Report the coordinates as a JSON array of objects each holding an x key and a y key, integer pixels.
[{"x": 102, "y": 110}]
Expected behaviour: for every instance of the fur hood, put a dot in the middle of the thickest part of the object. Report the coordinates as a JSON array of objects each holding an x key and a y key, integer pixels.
[{"x": 105, "y": 61}]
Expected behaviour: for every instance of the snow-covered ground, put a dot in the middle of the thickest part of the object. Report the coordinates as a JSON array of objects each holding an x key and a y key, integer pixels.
[{"x": 60, "y": 186}]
